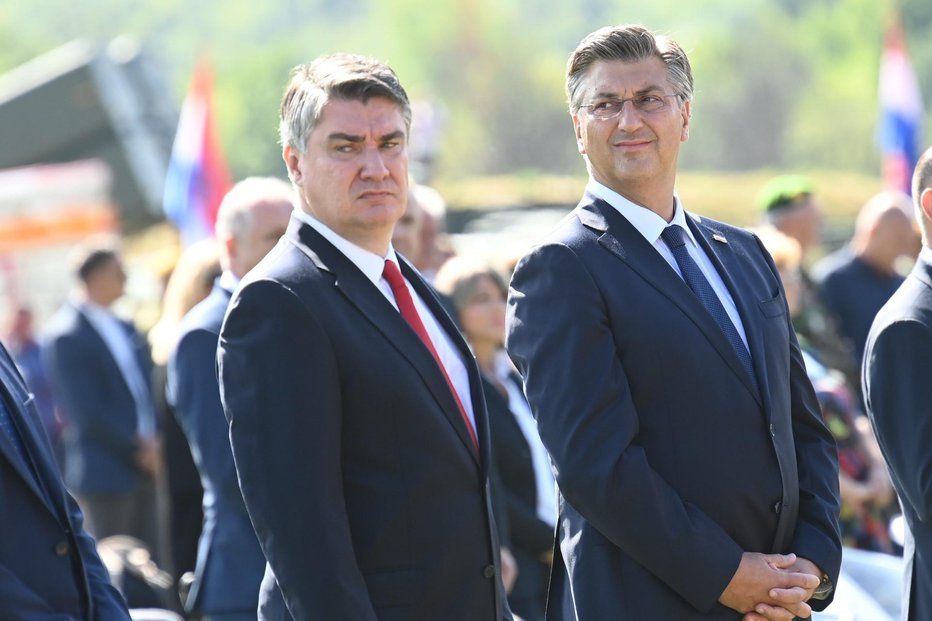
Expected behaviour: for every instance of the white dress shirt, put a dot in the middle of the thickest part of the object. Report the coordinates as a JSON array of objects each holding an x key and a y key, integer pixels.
[
  {"x": 372, "y": 266},
  {"x": 123, "y": 350},
  {"x": 650, "y": 226}
]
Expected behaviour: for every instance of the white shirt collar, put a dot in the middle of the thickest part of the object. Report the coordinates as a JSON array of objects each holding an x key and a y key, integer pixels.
[
  {"x": 368, "y": 262},
  {"x": 926, "y": 254},
  {"x": 96, "y": 311},
  {"x": 228, "y": 281},
  {"x": 648, "y": 223}
]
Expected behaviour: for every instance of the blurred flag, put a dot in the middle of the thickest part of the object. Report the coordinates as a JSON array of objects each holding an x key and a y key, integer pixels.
[
  {"x": 900, "y": 109},
  {"x": 197, "y": 175}
]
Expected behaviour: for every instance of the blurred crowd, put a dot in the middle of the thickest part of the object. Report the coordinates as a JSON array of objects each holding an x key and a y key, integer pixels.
[{"x": 115, "y": 403}]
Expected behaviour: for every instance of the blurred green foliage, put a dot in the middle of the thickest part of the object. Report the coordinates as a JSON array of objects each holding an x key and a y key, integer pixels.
[{"x": 781, "y": 84}]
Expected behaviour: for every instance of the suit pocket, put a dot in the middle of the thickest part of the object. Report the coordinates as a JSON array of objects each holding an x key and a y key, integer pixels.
[
  {"x": 773, "y": 308},
  {"x": 389, "y": 589}
]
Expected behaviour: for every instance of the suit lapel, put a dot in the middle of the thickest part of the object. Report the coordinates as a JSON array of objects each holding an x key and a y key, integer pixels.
[
  {"x": 373, "y": 305},
  {"x": 730, "y": 268},
  {"x": 17, "y": 400},
  {"x": 103, "y": 350},
  {"x": 475, "y": 384},
  {"x": 619, "y": 237}
]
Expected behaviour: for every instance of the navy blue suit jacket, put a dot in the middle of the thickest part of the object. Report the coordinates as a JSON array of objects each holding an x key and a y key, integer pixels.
[
  {"x": 898, "y": 394},
  {"x": 229, "y": 561},
  {"x": 670, "y": 461},
  {"x": 96, "y": 403},
  {"x": 358, "y": 472},
  {"x": 49, "y": 568}
]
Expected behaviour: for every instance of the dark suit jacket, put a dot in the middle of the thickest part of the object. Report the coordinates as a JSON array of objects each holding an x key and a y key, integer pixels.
[
  {"x": 230, "y": 563},
  {"x": 358, "y": 471},
  {"x": 670, "y": 461},
  {"x": 530, "y": 537},
  {"x": 96, "y": 403},
  {"x": 49, "y": 568},
  {"x": 185, "y": 494},
  {"x": 898, "y": 393}
]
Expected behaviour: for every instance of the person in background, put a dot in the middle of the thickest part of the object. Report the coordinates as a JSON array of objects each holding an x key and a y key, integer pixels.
[
  {"x": 864, "y": 485},
  {"x": 49, "y": 567},
  {"x": 898, "y": 395},
  {"x": 435, "y": 247},
  {"x": 406, "y": 236},
  {"x": 639, "y": 327},
  {"x": 477, "y": 293},
  {"x": 788, "y": 204},
  {"x": 190, "y": 281},
  {"x": 252, "y": 217},
  {"x": 855, "y": 281},
  {"x": 101, "y": 377},
  {"x": 22, "y": 344}
]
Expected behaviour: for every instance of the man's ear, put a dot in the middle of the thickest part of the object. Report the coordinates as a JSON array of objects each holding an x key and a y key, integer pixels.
[
  {"x": 290, "y": 155},
  {"x": 925, "y": 203},
  {"x": 687, "y": 115},
  {"x": 576, "y": 128},
  {"x": 228, "y": 244}
]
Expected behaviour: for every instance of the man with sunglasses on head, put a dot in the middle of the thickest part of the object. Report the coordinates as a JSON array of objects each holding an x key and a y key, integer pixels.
[{"x": 697, "y": 479}]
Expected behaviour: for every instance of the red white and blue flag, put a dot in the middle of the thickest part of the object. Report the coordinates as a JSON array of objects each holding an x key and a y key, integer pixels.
[
  {"x": 901, "y": 110},
  {"x": 197, "y": 177}
]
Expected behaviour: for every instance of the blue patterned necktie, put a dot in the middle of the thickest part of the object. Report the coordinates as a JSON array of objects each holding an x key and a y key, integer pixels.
[
  {"x": 6, "y": 423},
  {"x": 675, "y": 238}
]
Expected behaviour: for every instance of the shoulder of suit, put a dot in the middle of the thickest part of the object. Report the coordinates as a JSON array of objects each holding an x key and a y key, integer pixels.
[
  {"x": 63, "y": 323},
  {"x": 206, "y": 315},
  {"x": 911, "y": 302}
]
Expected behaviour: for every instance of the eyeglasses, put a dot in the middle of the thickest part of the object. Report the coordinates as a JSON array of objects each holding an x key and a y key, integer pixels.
[{"x": 611, "y": 108}]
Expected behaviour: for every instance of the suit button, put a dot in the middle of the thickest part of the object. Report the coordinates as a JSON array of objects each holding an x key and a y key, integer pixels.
[
  {"x": 489, "y": 571},
  {"x": 61, "y": 548},
  {"x": 777, "y": 507},
  {"x": 773, "y": 430}
]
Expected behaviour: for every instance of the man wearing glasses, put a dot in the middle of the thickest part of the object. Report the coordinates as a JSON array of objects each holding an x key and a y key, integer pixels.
[{"x": 697, "y": 479}]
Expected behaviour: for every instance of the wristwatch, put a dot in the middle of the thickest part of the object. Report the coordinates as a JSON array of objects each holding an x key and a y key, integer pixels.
[{"x": 824, "y": 589}]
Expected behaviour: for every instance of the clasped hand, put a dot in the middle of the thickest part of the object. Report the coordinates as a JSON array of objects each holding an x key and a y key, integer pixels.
[{"x": 772, "y": 587}]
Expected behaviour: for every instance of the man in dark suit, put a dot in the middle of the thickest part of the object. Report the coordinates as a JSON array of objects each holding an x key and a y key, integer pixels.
[
  {"x": 356, "y": 415},
  {"x": 101, "y": 376},
  {"x": 898, "y": 395},
  {"x": 250, "y": 221},
  {"x": 697, "y": 479},
  {"x": 49, "y": 568}
]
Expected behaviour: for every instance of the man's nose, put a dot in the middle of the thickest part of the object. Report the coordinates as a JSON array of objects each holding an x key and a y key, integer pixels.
[{"x": 373, "y": 166}]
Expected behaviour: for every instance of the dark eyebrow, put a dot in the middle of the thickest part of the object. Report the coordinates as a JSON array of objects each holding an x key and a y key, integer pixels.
[
  {"x": 392, "y": 136},
  {"x": 340, "y": 136},
  {"x": 345, "y": 137}
]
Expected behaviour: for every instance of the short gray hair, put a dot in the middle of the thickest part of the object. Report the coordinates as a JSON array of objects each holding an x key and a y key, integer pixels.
[
  {"x": 234, "y": 216},
  {"x": 627, "y": 43},
  {"x": 339, "y": 76}
]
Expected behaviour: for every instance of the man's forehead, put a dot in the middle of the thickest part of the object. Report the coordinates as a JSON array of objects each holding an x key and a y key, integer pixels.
[
  {"x": 360, "y": 117},
  {"x": 639, "y": 74}
]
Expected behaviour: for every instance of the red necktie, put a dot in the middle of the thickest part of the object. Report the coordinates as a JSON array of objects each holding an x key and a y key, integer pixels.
[{"x": 396, "y": 281}]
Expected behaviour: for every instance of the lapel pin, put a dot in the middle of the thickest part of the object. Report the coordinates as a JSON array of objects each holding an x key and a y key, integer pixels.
[{"x": 720, "y": 239}]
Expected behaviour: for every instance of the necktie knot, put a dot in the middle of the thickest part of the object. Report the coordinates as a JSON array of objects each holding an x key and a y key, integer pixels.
[{"x": 674, "y": 236}]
